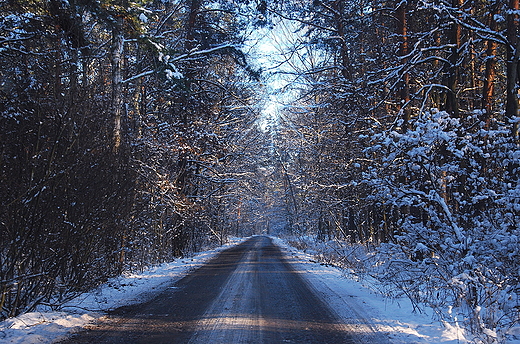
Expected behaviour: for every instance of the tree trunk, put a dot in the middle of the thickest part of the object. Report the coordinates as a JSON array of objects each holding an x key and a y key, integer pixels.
[
  {"x": 194, "y": 8},
  {"x": 117, "y": 86},
  {"x": 512, "y": 65},
  {"x": 489, "y": 76},
  {"x": 404, "y": 91},
  {"x": 451, "y": 68},
  {"x": 346, "y": 69},
  {"x": 436, "y": 96},
  {"x": 183, "y": 163},
  {"x": 189, "y": 44}
]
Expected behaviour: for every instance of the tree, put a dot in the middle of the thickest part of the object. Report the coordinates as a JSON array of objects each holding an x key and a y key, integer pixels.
[
  {"x": 91, "y": 134},
  {"x": 489, "y": 76},
  {"x": 513, "y": 55},
  {"x": 401, "y": 16},
  {"x": 451, "y": 66}
]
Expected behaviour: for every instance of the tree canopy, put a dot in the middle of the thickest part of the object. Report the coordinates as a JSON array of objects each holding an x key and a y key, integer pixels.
[{"x": 134, "y": 132}]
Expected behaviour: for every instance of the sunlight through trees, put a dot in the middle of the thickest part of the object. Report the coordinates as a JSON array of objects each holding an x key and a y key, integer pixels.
[{"x": 134, "y": 132}]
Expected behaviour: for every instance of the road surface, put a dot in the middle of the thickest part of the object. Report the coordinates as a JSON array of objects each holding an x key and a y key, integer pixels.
[{"x": 250, "y": 293}]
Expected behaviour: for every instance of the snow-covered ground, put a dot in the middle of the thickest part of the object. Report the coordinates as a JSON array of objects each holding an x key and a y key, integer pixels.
[
  {"x": 394, "y": 317},
  {"x": 48, "y": 326}
]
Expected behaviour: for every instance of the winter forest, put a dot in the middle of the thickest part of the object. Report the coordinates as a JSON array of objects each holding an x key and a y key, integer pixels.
[{"x": 385, "y": 133}]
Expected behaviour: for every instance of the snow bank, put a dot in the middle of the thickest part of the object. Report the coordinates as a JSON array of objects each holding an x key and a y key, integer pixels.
[
  {"x": 47, "y": 326},
  {"x": 350, "y": 297},
  {"x": 397, "y": 317}
]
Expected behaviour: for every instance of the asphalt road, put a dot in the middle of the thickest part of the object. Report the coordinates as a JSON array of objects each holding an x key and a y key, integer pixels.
[{"x": 250, "y": 293}]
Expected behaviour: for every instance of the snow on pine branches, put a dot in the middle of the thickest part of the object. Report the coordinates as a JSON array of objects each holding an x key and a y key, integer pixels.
[{"x": 455, "y": 184}]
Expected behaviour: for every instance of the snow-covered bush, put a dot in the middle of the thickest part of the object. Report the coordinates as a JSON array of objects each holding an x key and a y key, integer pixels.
[{"x": 455, "y": 184}]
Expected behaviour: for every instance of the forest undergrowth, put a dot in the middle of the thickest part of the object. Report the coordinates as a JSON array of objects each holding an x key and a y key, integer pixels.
[
  {"x": 452, "y": 199},
  {"x": 427, "y": 286}
]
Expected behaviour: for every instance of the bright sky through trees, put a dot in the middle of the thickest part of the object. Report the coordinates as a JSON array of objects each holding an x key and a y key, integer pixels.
[
  {"x": 271, "y": 48},
  {"x": 150, "y": 129}
]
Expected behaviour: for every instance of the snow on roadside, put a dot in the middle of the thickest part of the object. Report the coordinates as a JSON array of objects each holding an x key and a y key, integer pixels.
[
  {"x": 48, "y": 326},
  {"x": 348, "y": 297},
  {"x": 351, "y": 298},
  {"x": 394, "y": 317}
]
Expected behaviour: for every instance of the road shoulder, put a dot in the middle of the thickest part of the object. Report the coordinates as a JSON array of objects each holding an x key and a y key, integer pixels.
[
  {"x": 47, "y": 325},
  {"x": 360, "y": 304}
]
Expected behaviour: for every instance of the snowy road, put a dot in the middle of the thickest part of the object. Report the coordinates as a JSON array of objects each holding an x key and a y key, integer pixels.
[{"x": 250, "y": 293}]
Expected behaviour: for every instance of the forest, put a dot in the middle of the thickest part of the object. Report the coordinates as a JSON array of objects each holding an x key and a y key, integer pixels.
[{"x": 133, "y": 132}]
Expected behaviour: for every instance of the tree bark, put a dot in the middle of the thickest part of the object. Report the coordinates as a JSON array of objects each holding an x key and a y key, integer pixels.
[
  {"x": 346, "y": 69},
  {"x": 404, "y": 91},
  {"x": 183, "y": 164},
  {"x": 489, "y": 76},
  {"x": 512, "y": 65},
  {"x": 451, "y": 68},
  {"x": 194, "y": 9},
  {"x": 117, "y": 86}
]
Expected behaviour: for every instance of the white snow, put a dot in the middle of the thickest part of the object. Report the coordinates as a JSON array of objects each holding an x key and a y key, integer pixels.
[
  {"x": 143, "y": 18},
  {"x": 394, "y": 317},
  {"x": 346, "y": 295},
  {"x": 47, "y": 326}
]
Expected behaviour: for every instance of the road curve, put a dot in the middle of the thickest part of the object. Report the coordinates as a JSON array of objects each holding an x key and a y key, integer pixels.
[{"x": 249, "y": 293}]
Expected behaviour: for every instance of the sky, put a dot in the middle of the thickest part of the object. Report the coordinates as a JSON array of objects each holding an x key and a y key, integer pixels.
[{"x": 268, "y": 48}]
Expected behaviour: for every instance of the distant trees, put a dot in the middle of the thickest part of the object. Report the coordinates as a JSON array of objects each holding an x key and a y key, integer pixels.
[{"x": 114, "y": 120}]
